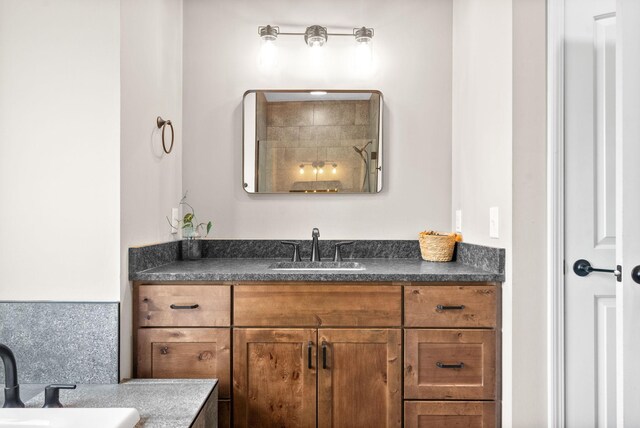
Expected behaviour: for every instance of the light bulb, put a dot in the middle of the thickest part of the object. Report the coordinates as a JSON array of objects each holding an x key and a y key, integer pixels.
[
  {"x": 363, "y": 56},
  {"x": 268, "y": 55},
  {"x": 321, "y": 171},
  {"x": 315, "y": 170},
  {"x": 334, "y": 171},
  {"x": 301, "y": 169}
]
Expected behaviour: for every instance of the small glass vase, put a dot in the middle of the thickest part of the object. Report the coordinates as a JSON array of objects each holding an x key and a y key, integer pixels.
[{"x": 191, "y": 248}]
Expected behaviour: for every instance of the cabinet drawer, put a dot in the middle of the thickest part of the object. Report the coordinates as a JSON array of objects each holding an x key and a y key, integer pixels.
[
  {"x": 450, "y": 306},
  {"x": 450, "y": 364},
  {"x": 314, "y": 305},
  {"x": 197, "y": 353},
  {"x": 184, "y": 305},
  {"x": 427, "y": 414}
]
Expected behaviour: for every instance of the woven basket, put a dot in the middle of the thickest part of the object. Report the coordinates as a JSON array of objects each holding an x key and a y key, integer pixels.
[{"x": 437, "y": 247}]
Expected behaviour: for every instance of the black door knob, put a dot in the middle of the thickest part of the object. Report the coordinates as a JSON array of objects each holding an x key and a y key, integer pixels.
[{"x": 635, "y": 274}]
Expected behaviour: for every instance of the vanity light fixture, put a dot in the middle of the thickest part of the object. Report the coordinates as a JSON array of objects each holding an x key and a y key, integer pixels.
[
  {"x": 318, "y": 93},
  {"x": 363, "y": 34},
  {"x": 318, "y": 167},
  {"x": 315, "y": 35}
]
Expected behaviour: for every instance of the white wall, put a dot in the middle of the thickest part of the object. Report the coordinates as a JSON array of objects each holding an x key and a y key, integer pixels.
[
  {"x": 529, "y": 214},
  {"x": 151, "y": 79},
  {"x": 499, "y": 160},
  {"x": 412, "y": 45},
  {"x": 59, "y": 150},
  {"x": 482, "y": 139}
]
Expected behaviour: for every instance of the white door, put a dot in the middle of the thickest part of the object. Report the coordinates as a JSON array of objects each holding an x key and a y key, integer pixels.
[
  {"x": 590, "y": 208},
  {"x": 628, "y": 212}
]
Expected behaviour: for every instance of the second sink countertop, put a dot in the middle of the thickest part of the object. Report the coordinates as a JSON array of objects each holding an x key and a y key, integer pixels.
[
  {"x": 376, "y": 270},
  {"x": 162, "y": 403}
]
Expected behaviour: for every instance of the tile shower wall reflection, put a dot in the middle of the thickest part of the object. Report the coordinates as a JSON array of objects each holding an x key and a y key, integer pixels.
[{"x": 295, "y": 133}]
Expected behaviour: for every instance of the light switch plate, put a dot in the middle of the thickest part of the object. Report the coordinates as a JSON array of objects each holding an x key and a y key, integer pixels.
[
  {"x": 494, "y": 222},
  {"x": 175, "y": 219},
  {"x": 459, "y": 221}
]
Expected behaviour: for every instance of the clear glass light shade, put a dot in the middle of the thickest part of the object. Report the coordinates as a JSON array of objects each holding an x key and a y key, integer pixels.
[
  {"x": 268, "y": 54},
  {"x": 364, "y": 55},
  {"x": 315, "y": 36}
]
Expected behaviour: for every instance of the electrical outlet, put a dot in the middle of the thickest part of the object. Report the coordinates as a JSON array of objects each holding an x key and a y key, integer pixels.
[
  {"x": 459, "y": 221},
  {"x": 494, "y": 222}
]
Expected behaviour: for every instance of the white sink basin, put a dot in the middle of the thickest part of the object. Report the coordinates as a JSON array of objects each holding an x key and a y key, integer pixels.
[{"x": 69, "y": 418}]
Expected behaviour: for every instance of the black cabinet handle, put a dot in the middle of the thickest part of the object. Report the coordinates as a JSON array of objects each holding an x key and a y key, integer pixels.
[
  {"x": 449, "y": 307},
  {"x": 309, "y": 352},
  {"x": 449, "y": 366},
  {"x": 196, "y": 306},
  {"x": 324, "y": 355}
]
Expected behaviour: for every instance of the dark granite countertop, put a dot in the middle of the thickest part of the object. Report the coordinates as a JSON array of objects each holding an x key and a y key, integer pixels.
[
  {"x": 378, "y": 270},
  {"x": 162, "y": 403}
]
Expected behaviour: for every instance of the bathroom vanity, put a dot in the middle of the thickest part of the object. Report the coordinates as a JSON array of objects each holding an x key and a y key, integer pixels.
[{"x": 400, "y": 343}]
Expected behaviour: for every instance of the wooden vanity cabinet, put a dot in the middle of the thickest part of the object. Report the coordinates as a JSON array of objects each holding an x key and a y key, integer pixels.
[
  {"x": 329, "y": 354},
  {"x": 359, "y": 378},
  {"x": 468, "y": 414},
  {"x": 274, "y": 377},
  {"x": 184, "y": 331}
]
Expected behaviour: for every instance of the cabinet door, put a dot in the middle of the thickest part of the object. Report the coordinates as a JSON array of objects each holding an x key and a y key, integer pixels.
[
  {"x": 274, "y": 377},
  {"x": 359, "y": 378},
  {"x": 185, "y": 353}
]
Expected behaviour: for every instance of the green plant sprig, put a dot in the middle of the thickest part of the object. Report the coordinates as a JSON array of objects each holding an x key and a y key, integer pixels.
[{"x": 189, "y": 219}]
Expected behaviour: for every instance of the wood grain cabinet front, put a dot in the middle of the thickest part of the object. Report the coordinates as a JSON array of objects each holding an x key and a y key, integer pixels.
[
  {"x": 450, "y": 306},
  {"x": 184, "y": 305},
  {"x": 359, "y": 378},
  {"x": 309, "y": 354},
  {"x": 450, "y": 364},
  {"x": 274, "y": 378},
  {"x": 334, "y": 305},
  {"x": 430, "y": 414},
  {"x": 185, "y": 353}
]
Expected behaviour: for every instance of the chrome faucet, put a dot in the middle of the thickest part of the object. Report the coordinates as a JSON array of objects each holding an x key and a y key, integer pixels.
[
  {"x": 11, "y": 387},
  {"x": 315, "y": 249}
]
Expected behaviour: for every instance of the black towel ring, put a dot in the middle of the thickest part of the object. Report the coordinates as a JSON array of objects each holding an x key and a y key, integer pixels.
[{"x": 161, "y": 124}]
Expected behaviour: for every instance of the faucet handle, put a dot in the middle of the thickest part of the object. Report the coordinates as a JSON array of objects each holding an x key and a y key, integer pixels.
[
  {"x": 52, "y": 394},
  {"x": 337, "y": 256},
  {"x": 296, "y": 250}
]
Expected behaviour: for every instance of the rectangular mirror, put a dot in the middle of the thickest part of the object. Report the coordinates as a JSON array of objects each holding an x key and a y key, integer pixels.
[{"x": 312, "y": 141}]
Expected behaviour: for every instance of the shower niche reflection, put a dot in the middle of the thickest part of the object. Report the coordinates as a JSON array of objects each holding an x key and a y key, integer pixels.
[{"x": 312, "y": 141}]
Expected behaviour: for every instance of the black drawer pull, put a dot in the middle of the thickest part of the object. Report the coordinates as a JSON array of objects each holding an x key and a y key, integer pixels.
[
  {"x": 196, "y": 306},
  {"x": 449, "y": 366},
  {"x": 324, "y": 355},
  {"x": 309, "y": 353},
  {"x": 448, "y": 308}
]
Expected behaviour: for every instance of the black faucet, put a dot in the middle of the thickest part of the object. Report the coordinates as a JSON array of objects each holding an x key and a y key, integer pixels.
[
  {"x": 11, "y": 387},
  {"x": 315, "y": 249}
]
